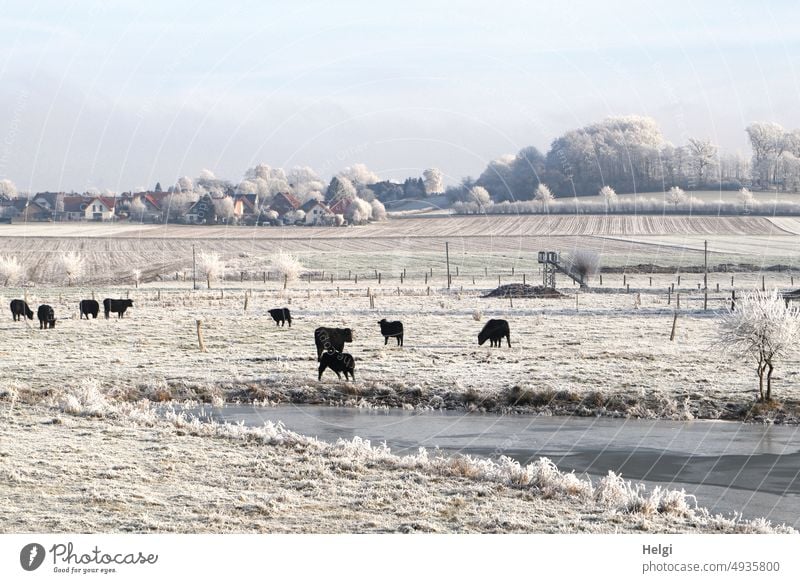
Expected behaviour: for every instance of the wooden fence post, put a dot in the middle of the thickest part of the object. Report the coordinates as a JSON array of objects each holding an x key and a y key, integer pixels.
[{"x": 200, "y": 336}]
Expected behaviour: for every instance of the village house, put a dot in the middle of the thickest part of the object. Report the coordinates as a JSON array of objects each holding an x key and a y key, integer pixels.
[
  {"x": 23, "y": 210},
  {"x": 202, "y": 212},
  {"x": 99, "y": 208},
  {"x": 318, "y": 213},
  {"x": 73, "y": 209},
  {"x": 283, "y": 203}
]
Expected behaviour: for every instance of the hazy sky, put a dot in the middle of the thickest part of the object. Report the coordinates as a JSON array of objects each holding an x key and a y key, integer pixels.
[{"x": 124, "y": 94}]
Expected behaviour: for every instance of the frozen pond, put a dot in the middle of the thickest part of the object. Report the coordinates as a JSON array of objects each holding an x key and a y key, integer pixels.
[{"x": 751, "y": 469}]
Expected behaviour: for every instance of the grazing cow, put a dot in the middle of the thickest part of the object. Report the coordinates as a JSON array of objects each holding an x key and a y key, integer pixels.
[
  {"x": 338, "y": 362},
  {"x": 89, "y": 308},
  {"x": 281, "y": 315},
  {"x": 331, "y": 339},
  {"x": 47, "y": 317},
  {"x": 391, "y": 329},
  {"x": 20, "y": 308},
  {"x": 118, "y": 306},
  {"x": 495, "y": 330}
]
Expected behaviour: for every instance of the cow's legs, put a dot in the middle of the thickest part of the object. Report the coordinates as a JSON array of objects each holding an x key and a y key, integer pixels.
[
  {"x": 385, "y": 340},
  {"x": 508, "y": 337},
  {"x": 322, "y": 368}
]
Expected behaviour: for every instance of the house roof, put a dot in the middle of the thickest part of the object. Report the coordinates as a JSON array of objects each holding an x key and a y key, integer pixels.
[
  {"x": 248, "y": 204},
  {"x": 75, "y": 204},
  {"x": 340, "y": 206},
  {"x": 312, "y": 204},
  {"x": 284, "y": 202},
  {"x": 109, "y": 201}
]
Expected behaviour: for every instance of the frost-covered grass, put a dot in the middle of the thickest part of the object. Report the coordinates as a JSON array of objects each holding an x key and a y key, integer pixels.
[
  {"x": 597, "y": 353},
  {"x": 124, "y": 468}
]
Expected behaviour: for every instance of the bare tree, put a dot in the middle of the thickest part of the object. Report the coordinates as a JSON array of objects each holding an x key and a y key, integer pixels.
[
  {"x": 211, "y": 266},
  {"x": 763, "y": 329},
  {"x": 584, "y": 263},
  {"x": 676, "y": 196}
]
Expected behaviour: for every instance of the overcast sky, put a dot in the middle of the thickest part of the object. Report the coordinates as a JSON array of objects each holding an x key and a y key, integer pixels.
[{"x": 124, "y": 95}]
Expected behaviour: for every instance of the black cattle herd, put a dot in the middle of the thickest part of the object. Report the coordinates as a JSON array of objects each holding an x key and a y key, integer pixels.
[{"x": 329, "y": 341}]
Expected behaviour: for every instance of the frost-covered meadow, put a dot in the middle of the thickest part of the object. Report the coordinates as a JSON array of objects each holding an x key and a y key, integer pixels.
[{"x": 90, "y": 386}]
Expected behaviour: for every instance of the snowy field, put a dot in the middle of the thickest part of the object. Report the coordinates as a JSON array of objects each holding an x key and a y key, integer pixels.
[{"x": 606, "y": 351}]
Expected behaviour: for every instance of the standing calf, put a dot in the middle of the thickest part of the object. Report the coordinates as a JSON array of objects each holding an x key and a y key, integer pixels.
[
  {"x": 389, "y": 329},
  {"x": 338, "y": 362},
  {"x": 495, "y": 331},
  {"x": 20, "y": 308},
  {"x": 89, "y": 307},
  {"x": 281, "y": 315},
  {"x": 118, "y": 306},
  {"x": 47, "y": 317}
]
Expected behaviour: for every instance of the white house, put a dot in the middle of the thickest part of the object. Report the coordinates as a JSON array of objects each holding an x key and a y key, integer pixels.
[
  {"x": 318, "y": 214},
  {"x": 99, "y": 208}
]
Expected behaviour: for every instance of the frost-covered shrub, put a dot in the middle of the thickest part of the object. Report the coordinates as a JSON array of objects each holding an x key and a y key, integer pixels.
[
  {"x": 10, "y": 270},
  {"x": 287, "y": 266},
  {"x": 73, "y": 265}
]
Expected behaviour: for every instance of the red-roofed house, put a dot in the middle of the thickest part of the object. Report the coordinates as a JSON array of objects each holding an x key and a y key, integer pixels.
[
  {"x": 284, "y": 202},
  {"x": 100, "y": 208}
]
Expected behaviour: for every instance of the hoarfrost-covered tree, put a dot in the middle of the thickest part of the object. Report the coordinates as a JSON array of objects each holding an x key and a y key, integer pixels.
[
  {"x": 434, "y": 181},
  {"x": 609, "y": 197},
  {"x": 137, "y": 209},
  {"x": 10, "y": 270},
  {"x": 73, "y": 265},
  {"x": 378, "y": 210},
  {"x": 747, "y": 199},
  {"x": 8, "y": 189},
  {"x": 544, "y": 195},
  {"x": 211, "y": 266},
  {"x": 287, "y": 266},
  {"x": 704, "y": 157},
  {"x": 359, "y": 212},
  {"x": 359, "y": 174},
  {"x": 763, "y": 329},
  {"x": 768, "y": 141},
  {"x": 185, "y": 184},
  {"x": 136, "y": 276},
  {"x": 676, "y": 196},
  {"x": 480, "y": 196},
  {"x": 177, "y": 203},
  {"x": 305, "y": 183},
  {"x": 223, "y": 207}
]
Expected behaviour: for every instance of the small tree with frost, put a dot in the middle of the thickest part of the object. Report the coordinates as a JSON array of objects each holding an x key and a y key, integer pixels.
[
  {"x": 73, "y": 265},
  {"x": 762, "y": 329},
  {"x": 746, "y": 199},
  {"x": 211, "y": 266},
  {"x": 676, "y": 196},
  {"x": 287, "y": 266},
  {"x": 136, "y": 275},
  {"x": 609, "y": 197},
  {"x": 544, "y": 196},
  {"x": 10, "y": 270}
]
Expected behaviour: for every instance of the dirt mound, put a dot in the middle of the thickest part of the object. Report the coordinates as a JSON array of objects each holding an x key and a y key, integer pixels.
[{"x": 519, "y": 290}]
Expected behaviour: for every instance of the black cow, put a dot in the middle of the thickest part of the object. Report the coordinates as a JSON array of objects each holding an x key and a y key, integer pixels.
[
  {"x": 281, "y": 315},
  {"x": 338, "y": 362},
  {"x": 331, "y": 339},
  {"x": 118, "y": 306},
  {"x": 495, "y": 330},
  {"x": 47, "y": 317},
  {"x": 89, "y": 308},
  {"x": 20, "y": 308},
  {"x": 391, "y": 329}
]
